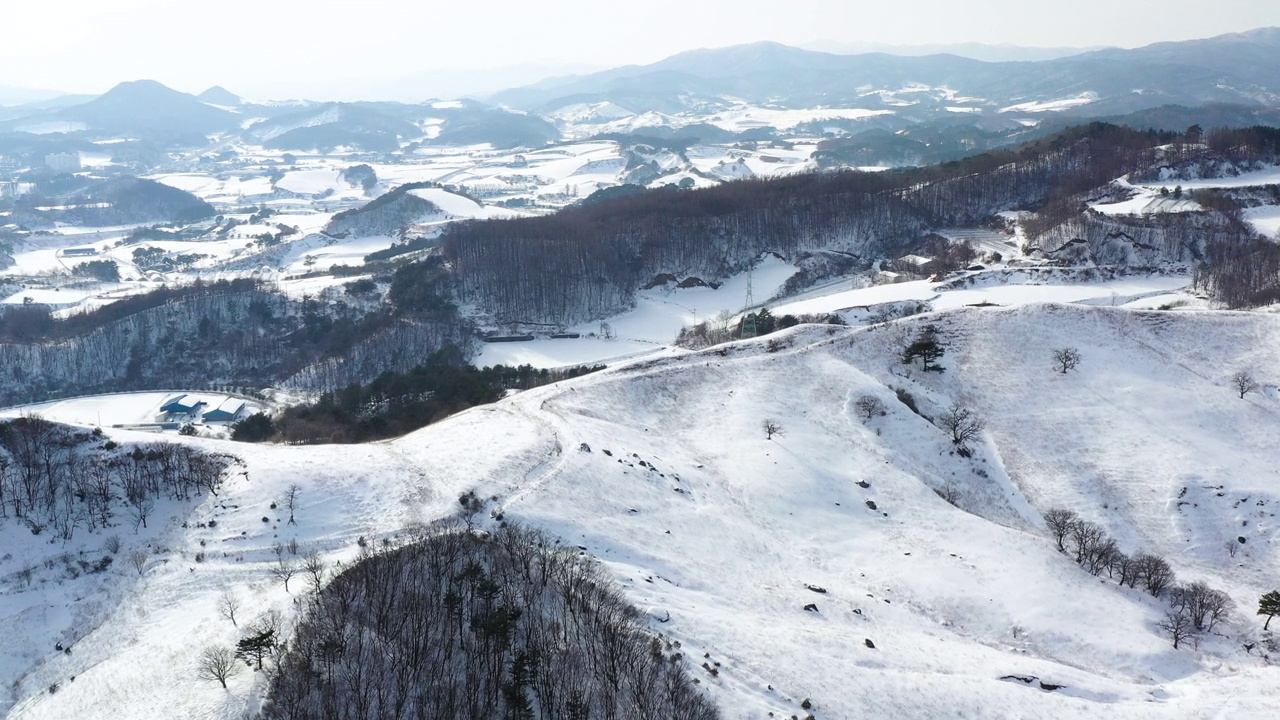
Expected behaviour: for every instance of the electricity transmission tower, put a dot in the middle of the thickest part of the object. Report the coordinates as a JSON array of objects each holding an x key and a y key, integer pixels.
[{"x": 749, "y": 316}]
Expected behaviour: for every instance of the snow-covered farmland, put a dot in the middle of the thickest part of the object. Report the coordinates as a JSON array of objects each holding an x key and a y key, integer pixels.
[
  {"x": 1040, "y": 106},
  {"x": 1148, "y": 202}
]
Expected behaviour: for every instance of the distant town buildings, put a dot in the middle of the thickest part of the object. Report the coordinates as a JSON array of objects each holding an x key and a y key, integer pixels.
[{"x": 63, "y": 162}]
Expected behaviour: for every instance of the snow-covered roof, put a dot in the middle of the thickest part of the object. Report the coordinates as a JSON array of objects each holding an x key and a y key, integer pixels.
[{"x": 918, "y": 260}]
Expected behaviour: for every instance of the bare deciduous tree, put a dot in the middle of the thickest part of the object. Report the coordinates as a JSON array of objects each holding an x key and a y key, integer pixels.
[
  {"x": 771, "y": 427},
  {"x": 1243, "y": 383},
  {"x": 1060, "y": 522},
  {"x": 141, "y": 506},
  {"x": 1155, "y": 573},
  {"x": 314, "y": 568},
  {"x": 284, "y": 570},
  {"x": 1103, "y": 555},
  {"x": 138, "y": 559},
  {"x": 1220, "y": 606},
  {"x": 1125, "y": 567},
  {"x": 949, "y": 492},
  {"x": 1088, "y": 541},
  {"x": 962, "y": 423},
  {"x": 291, "y": 500},
  {"x": 869, "y": 406},
  {"x": 1066, "y": 358},
  {"x": 217, "y": 663},
  {"x": 1177, "y": 625},
  {"x": 228, "y": 605},
  {"x": 1204, "y": 606}
]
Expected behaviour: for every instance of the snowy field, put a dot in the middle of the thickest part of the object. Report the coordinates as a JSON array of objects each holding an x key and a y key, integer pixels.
[
  {"x": 719, "y": 535},
  {"x": 1052, "y": 105},
  {"x": 551, "y": 176},
  {"x": 661, "y": 313},
  {"x": 1265, "y": 220},
  {"x": 1147, "y": 202},
  {"x": 651, "y": 327},
  {"x": 137, "y": 408},
  {"x": 1265, "y": 176}
]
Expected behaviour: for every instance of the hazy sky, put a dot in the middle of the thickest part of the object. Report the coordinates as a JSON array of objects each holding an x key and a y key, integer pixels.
[{"x": 350, "y": 48}]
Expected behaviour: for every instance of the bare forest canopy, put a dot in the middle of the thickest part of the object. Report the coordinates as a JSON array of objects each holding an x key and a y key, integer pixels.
[
  {"x": 587, "y": 261},
  {"x": 467, "y": 625},
  {"x": 228, "y": 332},
  {"x": 62, "y": 479}
]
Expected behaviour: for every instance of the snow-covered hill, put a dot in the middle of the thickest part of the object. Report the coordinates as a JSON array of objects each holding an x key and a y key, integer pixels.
[{"x": 660, "y": 467}]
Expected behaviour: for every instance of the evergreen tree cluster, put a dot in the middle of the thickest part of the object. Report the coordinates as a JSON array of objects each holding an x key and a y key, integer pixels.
[{"x": 396, "y": 403}]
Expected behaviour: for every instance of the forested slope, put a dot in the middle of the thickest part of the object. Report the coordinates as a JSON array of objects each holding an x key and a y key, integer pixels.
[
  {"x": 586, "y": 262},
  {"x": 222, "y": 333}
]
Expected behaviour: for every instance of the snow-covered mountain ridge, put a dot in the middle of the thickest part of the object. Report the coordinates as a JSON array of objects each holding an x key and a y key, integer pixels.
[{"x": 660, "y": 468}]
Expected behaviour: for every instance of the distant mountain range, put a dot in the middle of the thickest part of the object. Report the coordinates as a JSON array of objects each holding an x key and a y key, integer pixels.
[
  {"x": 218, "y": 95},
  {"x": 148, "y": 105},
  {"x": 142, "y": 108},
  {"x": 22, "y": 96},
  {"x": 149, "y": 110},
  {"x": 949, "y": 105},
  {"x": 974, "y": 51},
  {"x": 1237, "y": 68}
]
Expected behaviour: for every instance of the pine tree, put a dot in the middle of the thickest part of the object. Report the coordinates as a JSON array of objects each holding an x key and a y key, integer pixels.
[
  {"x": 1269, "y": 605},
  {"x": 765, "y": 322},
  {"x": 255, "y": 646},
  {"x": 926, "y": 347}
]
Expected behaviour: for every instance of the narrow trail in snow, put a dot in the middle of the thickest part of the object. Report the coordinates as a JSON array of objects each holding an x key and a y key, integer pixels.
[{"x": 545, "y": 471}]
